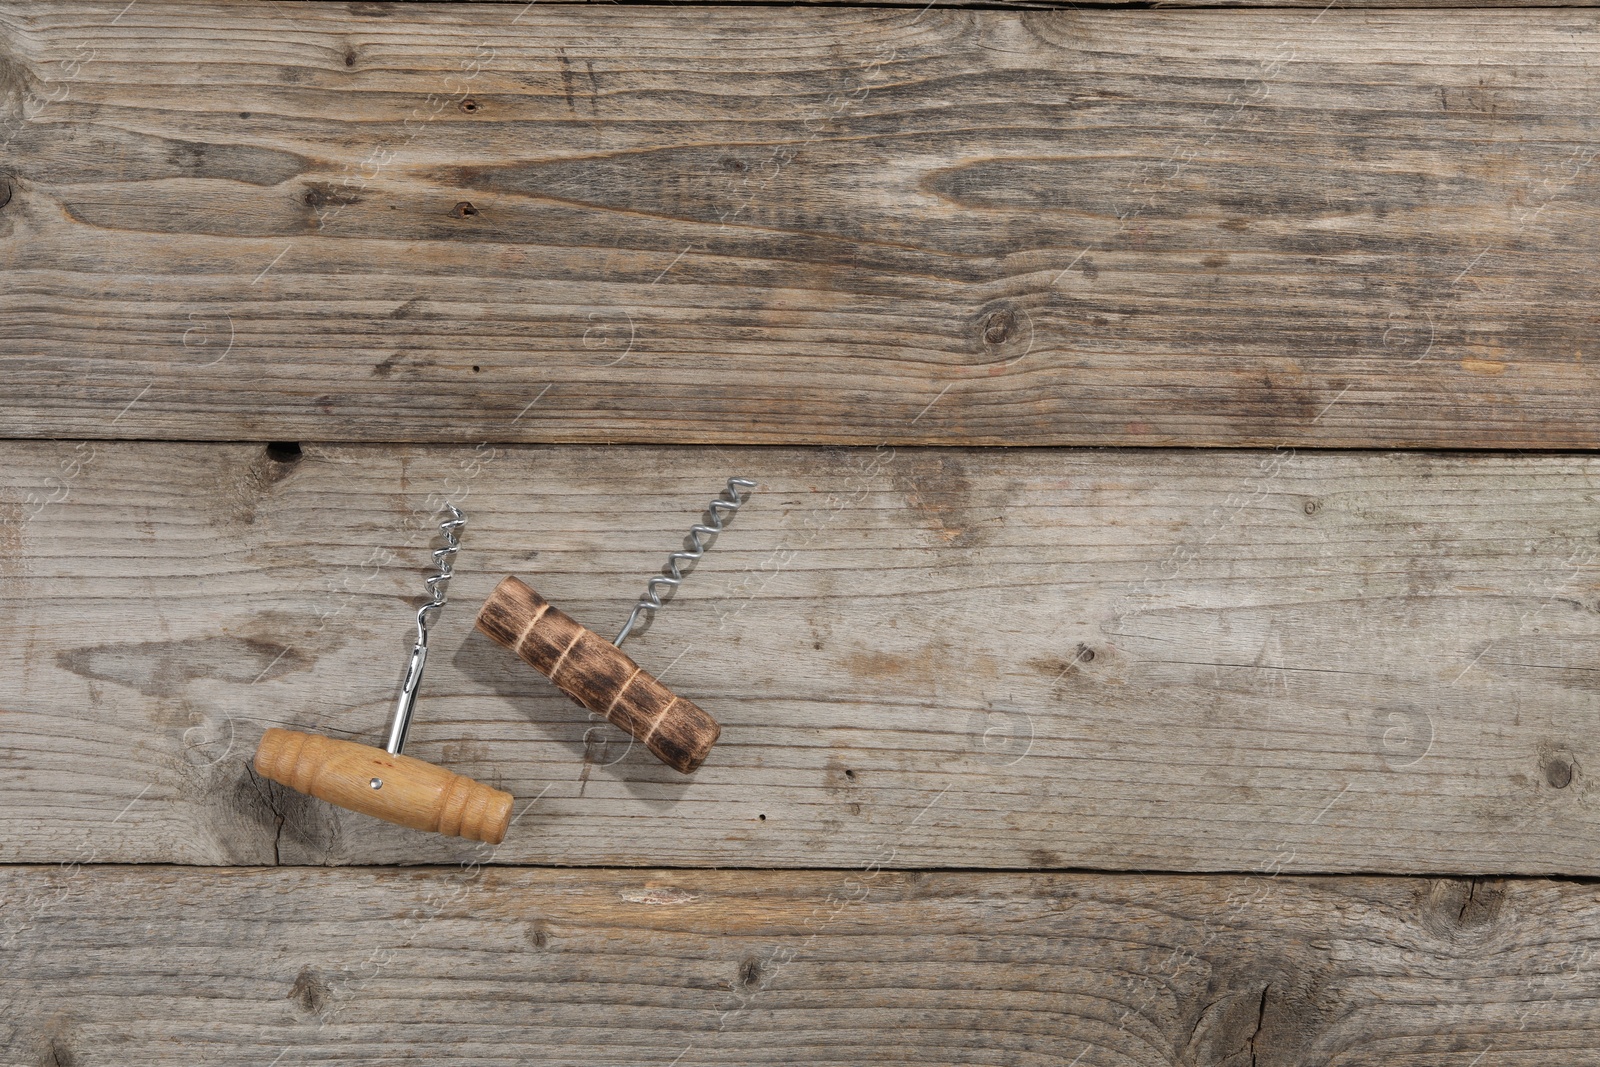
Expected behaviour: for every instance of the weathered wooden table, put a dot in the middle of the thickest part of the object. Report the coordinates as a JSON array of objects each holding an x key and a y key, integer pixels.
[{"x": 1245, "y": 717}]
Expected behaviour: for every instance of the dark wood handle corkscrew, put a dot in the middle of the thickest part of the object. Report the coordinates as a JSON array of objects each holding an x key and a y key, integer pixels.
[{"x": 597, "y": 673}]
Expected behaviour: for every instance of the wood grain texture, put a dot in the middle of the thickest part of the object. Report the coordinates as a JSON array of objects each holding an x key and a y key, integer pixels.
[
  {"x": 598, "y": 675},
  {"x": 1028, "y": 5},
  {"x": 1133, "y": 659},
  {"x": 576, "y": 223},
  {"x": 645, "y": 967}
]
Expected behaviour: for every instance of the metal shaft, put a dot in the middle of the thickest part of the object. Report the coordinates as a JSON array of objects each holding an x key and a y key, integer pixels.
[
  {"x": 443, "y": 559},
  {"x": 408, "y": 697}
]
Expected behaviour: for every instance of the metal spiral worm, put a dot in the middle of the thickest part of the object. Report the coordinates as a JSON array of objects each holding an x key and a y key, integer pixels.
[
  {"x": 444, "y": 559},
  {"x": 726, "y": 503}
]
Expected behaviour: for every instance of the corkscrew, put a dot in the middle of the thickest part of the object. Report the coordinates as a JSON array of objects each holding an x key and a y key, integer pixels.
[
  {"x": 383, "y": 782},
  {"x": 597, "y": 673}
]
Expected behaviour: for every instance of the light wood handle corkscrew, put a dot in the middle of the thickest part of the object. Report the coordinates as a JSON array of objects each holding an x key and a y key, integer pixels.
[
  {"x": 382, "y": 782},
  {"x": 598, "y": 675}
]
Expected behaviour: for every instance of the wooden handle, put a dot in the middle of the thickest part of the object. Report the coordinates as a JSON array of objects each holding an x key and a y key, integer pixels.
[
  {"x": 396, "y": 788},
  {"x": 598, "y": 675}
]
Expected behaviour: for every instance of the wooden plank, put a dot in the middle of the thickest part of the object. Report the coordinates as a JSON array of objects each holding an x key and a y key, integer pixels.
[
  {"x": 1138, "y": 659},
  {"x": 1165, "y": 5},
  {"x": 839, "y": 967},
  {"x": 578, "y": 223}
]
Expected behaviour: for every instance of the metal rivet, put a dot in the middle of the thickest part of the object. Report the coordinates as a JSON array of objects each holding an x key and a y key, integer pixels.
[{"x": 376, "y": 783}]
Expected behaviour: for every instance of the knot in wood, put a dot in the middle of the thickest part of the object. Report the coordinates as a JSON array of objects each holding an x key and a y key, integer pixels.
[{"x": 998, "y": 326}]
